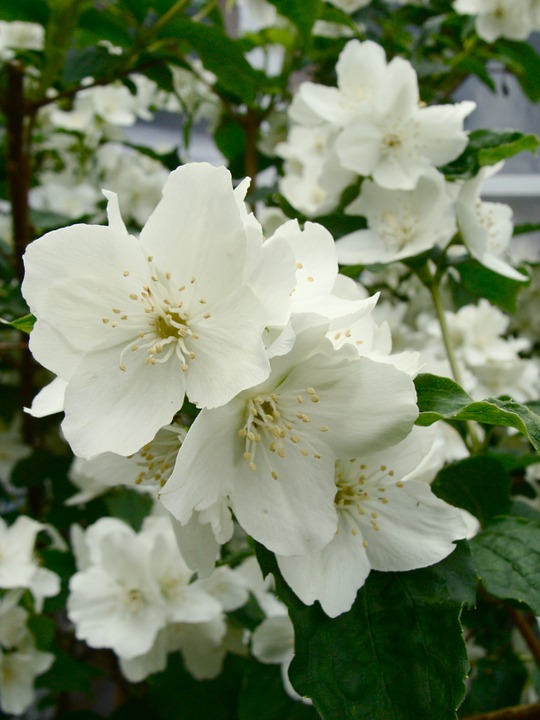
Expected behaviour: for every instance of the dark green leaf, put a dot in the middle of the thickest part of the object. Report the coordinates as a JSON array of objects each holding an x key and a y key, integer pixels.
[
  {"x": 43, "y": 629},
  {"x": 263, "y": 698},
  {"x": 523, "y": 61},
  {"x": 479, "y": 281},
  {"x": 409, "y": 611},
  {"x": 301, "y": 13},
  {"x": 478, "y": 484},
  {"x": 507, "y": 557},
  {"x": 68, "y": 675},
  {"x": 220, "y": 55},
  {"x": 128, "y": 505},
  {"x": 36, "y": 11},
  {"x": 87, "y": 62},
  {"x": 442, "y": 399}
]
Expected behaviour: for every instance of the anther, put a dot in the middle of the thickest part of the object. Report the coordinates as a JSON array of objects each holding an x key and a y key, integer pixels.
[
  {"x": 133, "y": 296},
  {"x": 122, "y": 367},
  {"x": 274, "y": 475},
  {"x": 125, "y": 273},
  {"x": 105, "y": 321}
]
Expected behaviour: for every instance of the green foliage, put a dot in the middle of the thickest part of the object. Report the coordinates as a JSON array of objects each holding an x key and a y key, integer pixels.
[
  {"x": 443, "y": 399},
  {"x": 506, "y": 555},
  {"x": 479, "y": 281},
  {"x": 24, "y": 324},
  {"x": 478, "y": 484},
  {"x": 521, "y": 59},
  {"x": 220, "y": 55},
  {"x": 302, "y": 13},
  {"x": 488, "y": 147},
  {"x": 417, "y": 612},
  {"x": 128, "y": 505}
]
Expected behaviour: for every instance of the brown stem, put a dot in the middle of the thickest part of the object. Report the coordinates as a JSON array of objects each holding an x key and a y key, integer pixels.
[
  {"x": 518, "y": 712},
  {"x": 18, "y": 161},
  {"x": 523, "y": 625}
]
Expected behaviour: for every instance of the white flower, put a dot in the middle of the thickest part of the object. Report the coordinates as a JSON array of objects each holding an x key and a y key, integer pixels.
[
  {"x": 486, "y": 227},
  {"x": 388, "y": 521},
  {"x": 18, "y": 566},
  {"x": 116, "y": 601},
  {"x": 130, "y": 586},
  {"x": 401, "y": 223},
  {"x": 271, "y": 450},
  {"x": 20, "y": 661},
  {"x": 498, "y": 18},
  {"x": 132, "y": 325},
  {"x": 397, "y": 141},
  {"x": 20, "y": 35},
  {"x": 361, "y": 73}
]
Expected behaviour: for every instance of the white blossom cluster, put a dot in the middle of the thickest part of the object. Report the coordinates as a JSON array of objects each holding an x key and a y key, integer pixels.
[
  {"x": 373, "y": 126},
  {"x": 20, "y": 661},
  {"x": 303, "y": 410}
]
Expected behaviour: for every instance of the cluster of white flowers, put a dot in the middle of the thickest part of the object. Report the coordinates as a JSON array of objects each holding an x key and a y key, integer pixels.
[
  {"x": 373, "y": 126},
  {"x": 515, "y": 19},
  {"x": 134, "y": 593},
  {"x": 20, "y": 661},
  {"x": 292, "y": 376},
  {"x": 490, "y": 362}
]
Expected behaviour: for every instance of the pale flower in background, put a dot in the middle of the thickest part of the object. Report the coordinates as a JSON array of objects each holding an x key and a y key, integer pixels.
[
  {"x": 19, "y": 566},
  {"x": 486, "y": 227},
  {"x": 401, "y": 223},
  {"x": 499, "y": 18}
]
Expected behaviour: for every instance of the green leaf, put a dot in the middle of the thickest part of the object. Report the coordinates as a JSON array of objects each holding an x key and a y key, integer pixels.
[
  {"x": 88, "y": 62},
  {"x": 68, "y": 674},
  {"x": 477, "y": 484},
  {"x": 522, "y": 60},
  {"x": 220, "y": 55},
  {"x": 263, "y": 698},
  {"x": 479, "y": 281},
  {"x": 128, "y": 505},
  {"x": 442, "y": 399},
  {"x": 507, "y": 557},
  {"x": 301, "y": 13},
  {"x": 43, "y": 629},
  {"x": 25, "y": 323},
  {"x": 350, "y": 665},
  {"x": 36, "y": 11},
  {"x": 487, "y": 147}
]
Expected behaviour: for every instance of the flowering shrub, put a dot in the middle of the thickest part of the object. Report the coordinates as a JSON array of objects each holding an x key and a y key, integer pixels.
[{"x": 270, "y": 424}]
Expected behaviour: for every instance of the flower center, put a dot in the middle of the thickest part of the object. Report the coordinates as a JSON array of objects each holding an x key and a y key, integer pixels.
[
  {"x": 359, "y": 488},
  {"x": 157, "y": 458},
  {"x": 162, "y": 321},
  {"x": 277, "y": 423}
]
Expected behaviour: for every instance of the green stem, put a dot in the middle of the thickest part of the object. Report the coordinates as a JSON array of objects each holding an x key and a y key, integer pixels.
[
  {"x": 439, "y": 310},
  {"x": 434, "y": 289}
]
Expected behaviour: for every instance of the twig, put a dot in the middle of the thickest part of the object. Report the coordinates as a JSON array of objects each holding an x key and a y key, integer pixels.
[
  {"x": 527, "y": 633},
  {"x": 518, "y": 712}
]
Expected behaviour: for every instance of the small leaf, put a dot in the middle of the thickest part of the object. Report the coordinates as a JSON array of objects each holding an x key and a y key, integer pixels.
[
  {"x": 24, "y": 324},
  {"x": 443, "y": 399},
  {"x": 507, "y": 557},
  {"x": 488, "y": 147},
  {"x": 301, "y": 13},
  {"x": 477, "y": 484}
]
